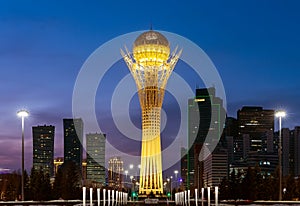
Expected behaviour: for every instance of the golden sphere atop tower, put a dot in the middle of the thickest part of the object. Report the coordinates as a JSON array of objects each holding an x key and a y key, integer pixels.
[
  {"x": 151, "y": 37},
  {"x": 151, "y": 48}
]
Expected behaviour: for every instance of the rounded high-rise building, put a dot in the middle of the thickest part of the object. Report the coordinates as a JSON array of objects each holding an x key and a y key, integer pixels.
[{"x": 151, "y": 65}]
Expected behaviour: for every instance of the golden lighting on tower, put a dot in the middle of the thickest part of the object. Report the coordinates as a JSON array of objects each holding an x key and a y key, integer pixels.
[{"x": 151, "y": 64}]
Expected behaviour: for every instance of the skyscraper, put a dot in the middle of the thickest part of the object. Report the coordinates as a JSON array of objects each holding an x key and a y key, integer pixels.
[
  {"x": 285, "y": 151},
  {"x": 115, "y": 171},
  {"x": 255, "y": 121},
  {"x": 95, "y": 153},
  {"x": 297, "y": 150},
  {"x": 183, "y": 164},
  {"x": 73, "y": 136},
  {"x": 215, "y": 167},
  {"x": 43, "y": 148},
  {"x": 205, "y": 114}
]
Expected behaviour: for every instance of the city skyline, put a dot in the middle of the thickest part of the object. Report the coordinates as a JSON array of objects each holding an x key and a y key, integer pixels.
[{"x": 43, "y": 46}]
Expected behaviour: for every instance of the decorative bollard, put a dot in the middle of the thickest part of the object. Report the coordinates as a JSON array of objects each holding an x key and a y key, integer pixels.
[
  {"x": 202, "y": 196},
  {"x": 91, "y": 196},
  {"x": 208, "y": 196},
  {"x": 117, "y": 197},
  {"x": 216, "y": 196},
  {"x": 196, "y": 197},
  {"x": 98, "y": 196},
  {"x": 189, "y": 197},
  {"x": 112, "y": 197},
  {"x": 104, "y": 198},
  {"x": 84, "y": 196},
  {"x": 108, "y": 197}
]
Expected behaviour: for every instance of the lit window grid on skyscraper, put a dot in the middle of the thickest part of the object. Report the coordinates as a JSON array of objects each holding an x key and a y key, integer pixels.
[
  {"x": 73, "y": 135},
  {"x": 95, "y": 148},
  {"x": 43, "y": 148}
]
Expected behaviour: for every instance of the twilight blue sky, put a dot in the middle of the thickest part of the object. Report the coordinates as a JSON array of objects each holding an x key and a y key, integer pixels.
[{"x": 254, "y": 45}]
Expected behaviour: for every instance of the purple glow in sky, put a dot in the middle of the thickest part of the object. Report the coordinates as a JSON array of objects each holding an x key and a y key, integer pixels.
[{"x": 254, "y": 45}]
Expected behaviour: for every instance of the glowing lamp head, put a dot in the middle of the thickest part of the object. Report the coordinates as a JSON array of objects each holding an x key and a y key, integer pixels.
[
  {"x": 151, "y": 48},
  {"x": 23, "y": 113},
  {"x": 280, "y": 114}
]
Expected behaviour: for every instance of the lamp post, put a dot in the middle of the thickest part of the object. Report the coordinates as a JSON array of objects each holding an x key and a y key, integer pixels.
[
  {"x": 131, "y": 166},
  {"x": 134, "y": 170},
  {"x": 280, "y": 114},
  {"x": 126, "y": 173},
  {"x": 22, "y": 113},
  {"x": 168, "y": 179},
  {"x": 176, "y": 173},
  {"x": 171, "y": 186}
]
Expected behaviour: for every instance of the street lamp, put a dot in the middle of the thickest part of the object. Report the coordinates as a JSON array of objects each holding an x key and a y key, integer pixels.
[
  {"x": 171, "y": 186},
  {"x": 22, "y": 113},
  {"x": 132, "y": 186},
  {"x": 280, "y": 114},
  {"x": 176, "y": 173}
]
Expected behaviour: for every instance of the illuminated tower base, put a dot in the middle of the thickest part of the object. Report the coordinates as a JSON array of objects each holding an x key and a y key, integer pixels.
[
  {"x": 151, "y": 164},
  {"x": 151, "y": 66}
]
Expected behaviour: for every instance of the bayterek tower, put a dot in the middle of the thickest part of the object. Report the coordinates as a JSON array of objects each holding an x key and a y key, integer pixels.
[{"x": 151, "y": 65}]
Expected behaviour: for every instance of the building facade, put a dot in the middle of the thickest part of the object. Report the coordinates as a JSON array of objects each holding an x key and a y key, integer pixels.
[
  {"x": 255, "y": 121},
  {"x": 73, "y": 137},
  {"x": 285, "y": 151},
  {"x": 206, "y": 120},
  {"x": 95, "y": 153},
  {"x": 115, "y": 172},
  {"x": 215, "y": 168},
  {"x": 43, "y": 148},
  {"x": 296, "y": 150}
]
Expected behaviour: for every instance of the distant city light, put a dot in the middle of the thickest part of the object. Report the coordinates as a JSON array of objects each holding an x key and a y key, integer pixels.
[{"x": 4, "y": 170}]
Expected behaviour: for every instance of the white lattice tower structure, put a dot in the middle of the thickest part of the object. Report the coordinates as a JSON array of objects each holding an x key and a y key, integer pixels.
[{"x": 151, "y": 65}]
